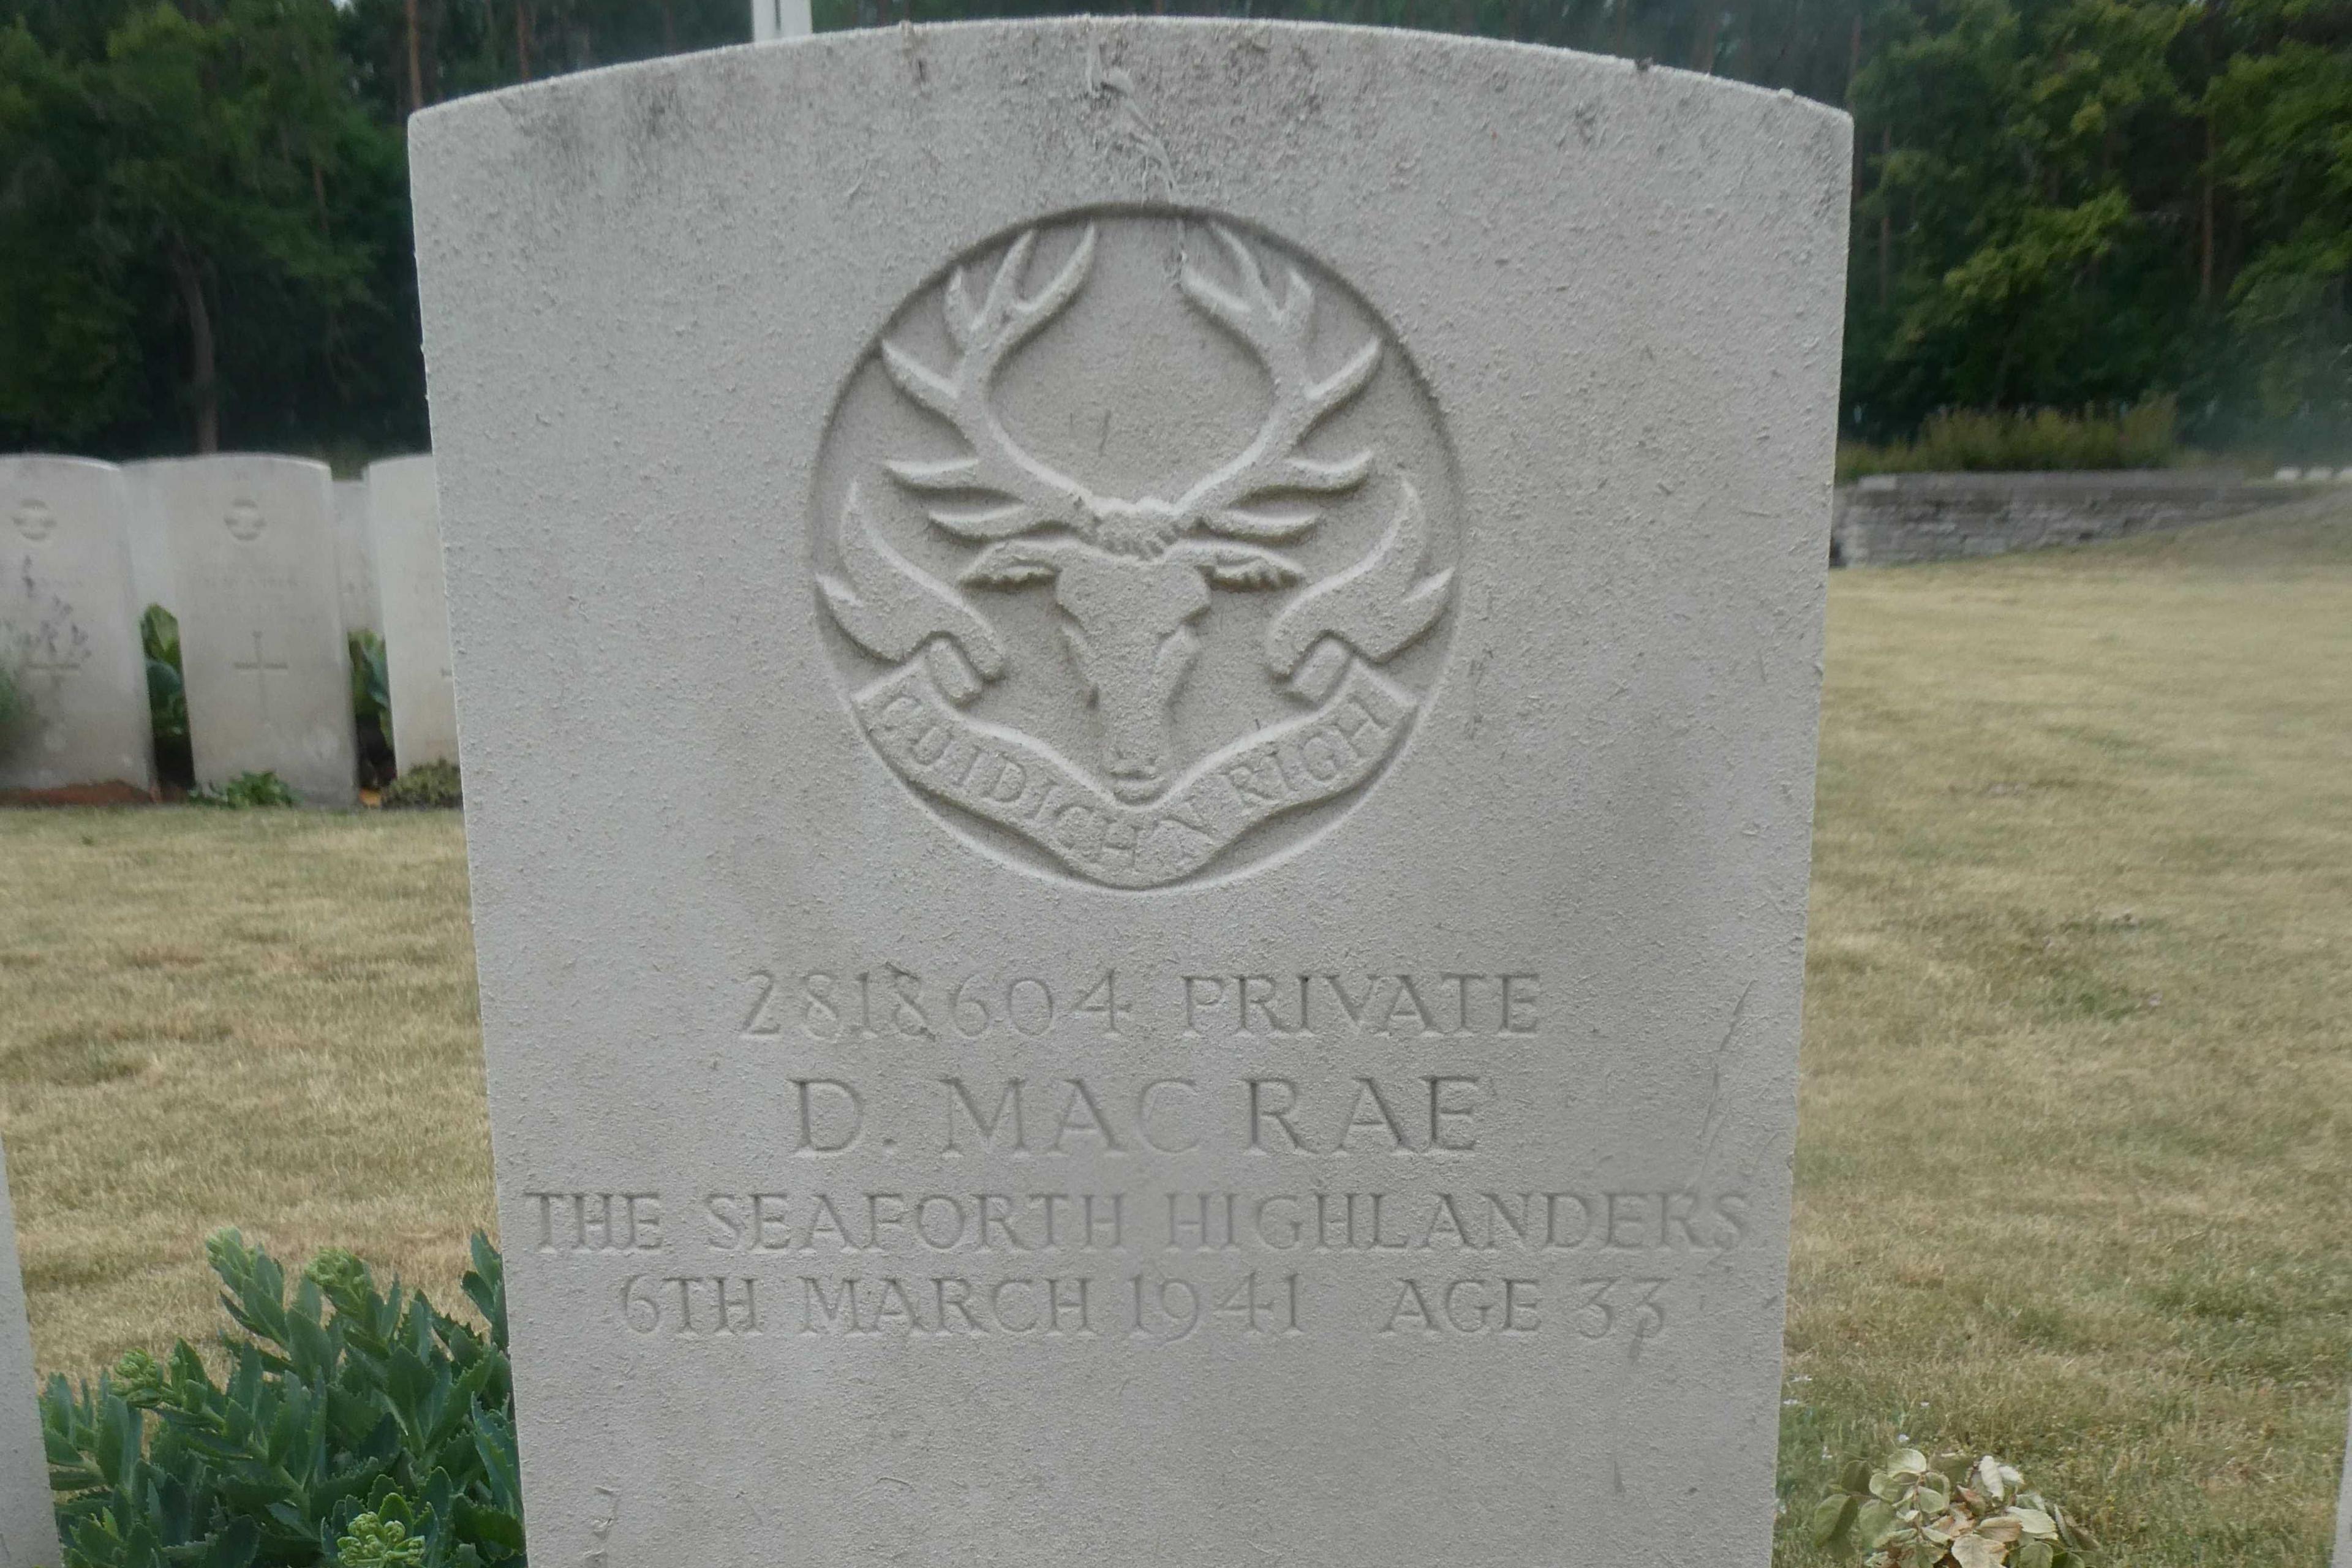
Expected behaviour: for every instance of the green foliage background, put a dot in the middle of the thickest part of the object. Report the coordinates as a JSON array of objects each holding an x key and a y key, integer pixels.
[{"x": 2077, "y": 203}]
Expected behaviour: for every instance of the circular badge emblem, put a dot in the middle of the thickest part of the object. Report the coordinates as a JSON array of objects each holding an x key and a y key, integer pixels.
[
  {"x": 36, "y": 522},
  {"x": 245, "y": 522},
  {"x": 1135, "y": 537}
]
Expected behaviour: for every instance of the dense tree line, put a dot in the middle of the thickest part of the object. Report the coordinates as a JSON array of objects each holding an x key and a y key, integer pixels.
[{"x": 204, "y": 235}]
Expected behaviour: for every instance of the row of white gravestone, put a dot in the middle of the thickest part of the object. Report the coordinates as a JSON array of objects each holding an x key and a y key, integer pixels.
[{"x": 267, "y": 565}]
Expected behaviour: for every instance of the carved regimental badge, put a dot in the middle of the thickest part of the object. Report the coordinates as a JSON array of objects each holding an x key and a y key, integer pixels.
[{"x": 1136, "y": 529}]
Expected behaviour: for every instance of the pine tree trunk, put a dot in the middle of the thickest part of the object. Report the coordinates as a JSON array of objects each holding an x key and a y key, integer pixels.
[
  {"x": 204, "y": 383},
  {"x": 415, "y": 61},
  {"x": 2205, "y": 259},
  {"x": 1885, "y": 222},
  {"x": 1710, "y": 28},
  {"x": 522, "y": 39}
]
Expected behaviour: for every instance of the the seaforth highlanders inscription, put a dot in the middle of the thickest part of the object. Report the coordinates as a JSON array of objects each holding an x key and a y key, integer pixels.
[
  {"x": 1185, "y": 762},
  {"x": 1140, "y": 716}
]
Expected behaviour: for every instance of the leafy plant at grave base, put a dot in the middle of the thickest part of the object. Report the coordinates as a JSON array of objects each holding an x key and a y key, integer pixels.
[
  {"x": 244, "y": 792},
  {"x": 370, "y": 707},
  {"x": 167, "y": 694},
  {"x": 426, "y": 784},
  {"x": 370, "y": 683},
  {"x": 1956, "y": 1512},
  {"x": 356, "y": 1428}
]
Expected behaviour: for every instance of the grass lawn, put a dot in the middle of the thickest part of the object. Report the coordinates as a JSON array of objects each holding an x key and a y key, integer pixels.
[
  {"x": 260, "y": 1018},
  {"x": 2076, "y": 1155}
]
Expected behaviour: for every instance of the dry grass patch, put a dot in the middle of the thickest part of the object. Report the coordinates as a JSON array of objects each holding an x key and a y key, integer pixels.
[
  {"x": 263, "y": 1019},
  {"x": 2077, "y": 1139},
  {"x": 2077, "y": 1094}
]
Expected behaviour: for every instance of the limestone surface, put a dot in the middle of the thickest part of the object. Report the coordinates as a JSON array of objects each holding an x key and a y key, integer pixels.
[
  {"x": 261, "y": 627},
  {"x": 151, "y": 542},
  {"x": 68, "y": 627},
  {"x": 28, "y": 1520},
  {"x": 355, "y": 559},
  {"x": 405, "y": 519},
  {"x": 1139, "y": 718}
]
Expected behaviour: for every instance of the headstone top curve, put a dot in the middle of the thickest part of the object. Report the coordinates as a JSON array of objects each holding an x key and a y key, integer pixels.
[{"x": 792, "y": 53}]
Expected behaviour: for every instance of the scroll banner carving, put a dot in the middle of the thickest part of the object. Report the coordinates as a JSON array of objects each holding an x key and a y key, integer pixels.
[{"x": 1016, "y": 782}]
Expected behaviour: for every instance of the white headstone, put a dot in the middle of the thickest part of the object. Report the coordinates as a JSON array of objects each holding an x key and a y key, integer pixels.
[
  {"x": 28, "y": 1520},
  {"x": 1139, "y": 751},
  {"x": 68, "y": 631},
  {"x": 2344, "y": 1509},
  {"x": 406, "y": 520},
  {"x": 261, "y": 629},
  {"x": 775, "y": 19},
  {"x": 355, "y": 559},
  {"x": 151, "y": 539}
]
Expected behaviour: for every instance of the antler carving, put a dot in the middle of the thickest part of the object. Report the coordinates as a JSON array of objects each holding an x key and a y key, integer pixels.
[
  {"x": 891, "y": 608},
  {"x": 984, "y": 336},
  {"x": 1378, "y": 606},
  {"x": 1278, "y": 331},
  {"x": 1033, "y": 494}
]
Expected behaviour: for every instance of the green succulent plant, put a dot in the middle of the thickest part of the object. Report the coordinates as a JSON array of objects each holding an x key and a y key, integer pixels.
[
  {"x": 355, "y": 1427},
  {"x": 244, "y": 792},
  {"x": 426, "y": 784}
]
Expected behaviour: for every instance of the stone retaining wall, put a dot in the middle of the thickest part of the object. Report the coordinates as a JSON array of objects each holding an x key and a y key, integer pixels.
[{"x": 1892, "y": 519}]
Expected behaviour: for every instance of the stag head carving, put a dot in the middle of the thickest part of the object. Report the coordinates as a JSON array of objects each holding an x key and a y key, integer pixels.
[{"x": 1132, "y": 578}]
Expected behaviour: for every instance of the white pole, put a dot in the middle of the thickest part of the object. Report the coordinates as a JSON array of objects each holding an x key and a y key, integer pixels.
[{"x": 775, "y": 19}]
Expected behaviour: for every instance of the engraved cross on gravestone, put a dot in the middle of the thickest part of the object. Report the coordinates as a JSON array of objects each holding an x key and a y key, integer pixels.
[{"x": 259, "y": 665}]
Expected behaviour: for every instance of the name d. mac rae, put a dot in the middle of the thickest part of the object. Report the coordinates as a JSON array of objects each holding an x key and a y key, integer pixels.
[{"x": 957, "y": 1115}]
